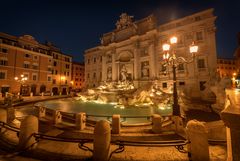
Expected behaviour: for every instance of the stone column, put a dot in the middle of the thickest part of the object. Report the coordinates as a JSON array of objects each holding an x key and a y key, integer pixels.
[
  {"x": 41, "y": 111},
  {"x": 197, "y": 134},
  {"x": 114, "y": 68},
  {"x": 3, "y": 117},
  {"x": 152, "y": 61},
  {"x": 28, "y": 127},
  {"x": 102, "y": 139},
  {"x": 135, "y": 65},
  {"x": 80, "y": 121},
  {"x": 116, "y": 124},
  {"x": 104, "y": 69},
  {"x": 57, "y": 117},
  {"x": 157, "y": 123}
]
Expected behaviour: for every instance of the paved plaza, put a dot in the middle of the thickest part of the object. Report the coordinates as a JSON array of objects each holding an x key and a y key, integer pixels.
[{"x": 52, "y": 150}]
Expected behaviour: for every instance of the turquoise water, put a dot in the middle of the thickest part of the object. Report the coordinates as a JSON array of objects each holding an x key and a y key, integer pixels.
[{"x": 107, "y": 109}]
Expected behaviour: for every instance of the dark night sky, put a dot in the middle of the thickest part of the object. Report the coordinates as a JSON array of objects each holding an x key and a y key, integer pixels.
[{"x": 75, "y": 26}]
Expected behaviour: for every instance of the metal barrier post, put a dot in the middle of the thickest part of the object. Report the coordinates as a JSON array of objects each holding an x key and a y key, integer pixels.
[
  {"x": 197, "y": 134},
  {"x": 28, "y": 127},
  {"x": 102, "y": 140},
  {"x": 80, "y": 121},
  {"x": 116, "y": 126}
]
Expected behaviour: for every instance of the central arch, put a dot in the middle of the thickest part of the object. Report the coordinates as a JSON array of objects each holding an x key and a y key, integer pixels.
[{"x": 125, "y": 65}]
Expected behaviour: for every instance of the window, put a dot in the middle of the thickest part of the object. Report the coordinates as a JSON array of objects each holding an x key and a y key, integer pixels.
[
  {"x": 199, "y": 36},
  {"x": 27, "y": 56},
  {"x": 67, "y": 73},
  {"x": 2, "y": 75},
  {"x": 54, "y": 63},
  {"x": 76, "y": 79},
  {"x": 67, "y": 59},
  {"x": 88, "y": 61},
  {"x": 198, "y": 18},
  {"x": 94, "y": 75},
  {"x": 65, "y": 81},
  {"x": 181, "y": 67},
  {"x": 76, "y": 68},
  {"x": 49, "y": 69},
  {"x": 88, "y": 75},
  {"x": 34, "y": 77},
  {"x": 100, "y": 58},
  {"x": 76, "y": 84},
  {"x": 94, "y": 60},
  {"x": 56, "y": 72},
  {"x": 54, "y": 81},
  {"x": 3, "y": 62},
  {"x": 49, "y": 60},
  {"x": 67, "y": 66},
  {"x": 4, "y": 50},
  {"x": 26, "y": 65},
  {"x": 164, "y": 85},
  {"x": 201, "y": 63},
  {"x": 35, "y": 57},
  {"x": 181, "y": 83},
  {"x": 49, "y": 78}
]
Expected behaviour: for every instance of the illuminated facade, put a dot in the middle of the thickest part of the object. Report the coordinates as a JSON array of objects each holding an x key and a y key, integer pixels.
[
  {"x": 77, "y": 76},
  {"x": 136, "y": 46},
  {"x": 227, "y": 67},
  {"x": 46, "y": 68}
]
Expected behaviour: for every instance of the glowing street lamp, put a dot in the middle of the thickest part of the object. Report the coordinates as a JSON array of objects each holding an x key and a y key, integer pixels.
[
  {"x": 21, "y": 80},
  {"x": 171, "y": 59}
]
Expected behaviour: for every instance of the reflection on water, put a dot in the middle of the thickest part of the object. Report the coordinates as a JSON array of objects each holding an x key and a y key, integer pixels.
[{"x": 93, "y": 108}]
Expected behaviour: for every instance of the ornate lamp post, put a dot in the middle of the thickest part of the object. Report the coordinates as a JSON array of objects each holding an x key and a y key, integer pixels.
[
  {"x": 21, "y": 80},
  {"x": 170, "y": 59}
]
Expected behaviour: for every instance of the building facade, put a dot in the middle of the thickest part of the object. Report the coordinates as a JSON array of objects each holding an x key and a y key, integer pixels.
[
  {"x": 136, "y": 47},
  {"x": 227, "y": 67},
  {"x": 77, "y": 76},
  {"x": 45, "y": 67}
]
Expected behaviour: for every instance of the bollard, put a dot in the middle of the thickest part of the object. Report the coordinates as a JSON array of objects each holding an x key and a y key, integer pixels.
[
  {"x": 80, "y": 121},
  {"x": 41, "y": 111},
  {"x": 3, "y": 117},
  {"x": 157, "y": 123},
  {"x": 102, "y": 139},
  {"x": 51, "y": 93},
  {"x": 197, "y": 134},
  {"x": 116, "y": 125},
  {"x": 31, "y": 94},
  {"x": 57, "y": 117},
  {"x": 28, "y": 127},
  {"x": 178, "y": 124},
  {"x": 42, "y": 94}
]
